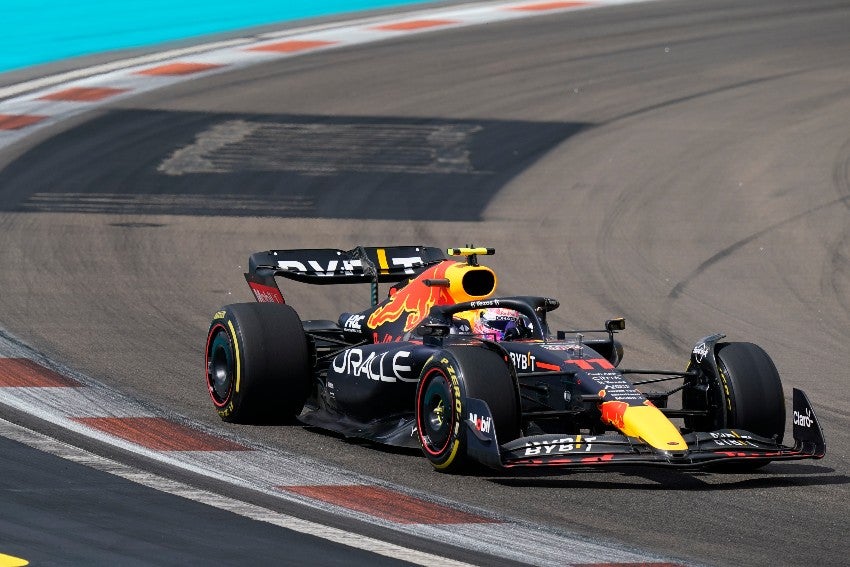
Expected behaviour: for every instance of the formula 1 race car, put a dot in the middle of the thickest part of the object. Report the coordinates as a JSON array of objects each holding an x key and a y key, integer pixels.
[{"x": 441, "y": 365}]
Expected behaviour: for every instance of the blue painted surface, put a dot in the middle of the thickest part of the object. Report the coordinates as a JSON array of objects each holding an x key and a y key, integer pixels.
[{"x": 40, "y": 31}]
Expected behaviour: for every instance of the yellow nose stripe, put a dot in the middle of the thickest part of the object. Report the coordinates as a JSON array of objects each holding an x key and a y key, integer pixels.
[
  {"x": 649, "y": 424},
  {"x": 10, "y": 561}
]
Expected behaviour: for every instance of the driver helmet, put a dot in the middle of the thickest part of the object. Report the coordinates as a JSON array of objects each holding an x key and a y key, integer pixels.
[{"x": 498, "y": 323}]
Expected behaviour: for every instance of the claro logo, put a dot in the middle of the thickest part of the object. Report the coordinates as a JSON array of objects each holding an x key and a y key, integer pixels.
[{"x": 803, "y": 420}]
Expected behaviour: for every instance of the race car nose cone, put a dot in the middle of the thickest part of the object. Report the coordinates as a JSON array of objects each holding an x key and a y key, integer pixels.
[{"x": 649, "y": 424}]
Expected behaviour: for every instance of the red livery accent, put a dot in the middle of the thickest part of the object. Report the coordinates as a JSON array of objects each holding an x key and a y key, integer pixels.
[
  {"x": 415, "y": 301},
  {"x": 265, "y": 293},
  {"x": 614, "y": 412},
  {"x": 598, "y": 459},
  {"x": 591, "y": 363}
]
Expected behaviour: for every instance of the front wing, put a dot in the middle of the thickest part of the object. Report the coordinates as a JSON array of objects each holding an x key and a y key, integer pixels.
[{"x": 704, "y": 448}]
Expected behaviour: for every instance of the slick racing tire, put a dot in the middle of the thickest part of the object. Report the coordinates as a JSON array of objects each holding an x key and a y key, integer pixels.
[
  {"x": 446, "y": 382},
  {"x": 753, "y": 390},
  {"x": 746, "y": 395},
  {"x": 257, "y": 363}
]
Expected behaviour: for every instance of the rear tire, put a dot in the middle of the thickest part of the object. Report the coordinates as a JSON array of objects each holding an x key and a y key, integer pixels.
[
  {"x": 257, "y": 363},
  {"x": 446, "y": 382}
]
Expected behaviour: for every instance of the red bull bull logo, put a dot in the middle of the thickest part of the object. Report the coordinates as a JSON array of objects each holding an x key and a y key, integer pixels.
[
  {"x": 614, "y": 413},
  {"x": 415, "y": 300}
]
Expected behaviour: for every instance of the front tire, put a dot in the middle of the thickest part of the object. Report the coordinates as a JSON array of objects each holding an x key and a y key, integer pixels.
[
  {"x": 746, "y": 394},
  {"x": 446, "y": 382},
  {"x": 257, "y": 363},
  {"x": 754, "y": 398}
]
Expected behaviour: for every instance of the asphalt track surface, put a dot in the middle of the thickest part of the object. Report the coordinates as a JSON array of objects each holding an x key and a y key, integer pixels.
[
  {"x": 685, "y": 165},
  {"x": 61, "y": 513}
]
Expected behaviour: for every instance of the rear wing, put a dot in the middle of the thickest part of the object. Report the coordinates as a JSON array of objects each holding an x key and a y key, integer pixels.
[{"x": 363, "y": 264}]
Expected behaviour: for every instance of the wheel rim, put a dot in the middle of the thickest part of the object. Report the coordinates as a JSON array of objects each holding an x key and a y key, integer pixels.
[
  {"x": 220, "y": 368},
  {"x": 436, "y": 415}
]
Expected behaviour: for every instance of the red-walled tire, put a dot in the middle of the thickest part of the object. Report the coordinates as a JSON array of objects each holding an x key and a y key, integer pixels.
[
  {"x": 446, "y": 381},
  {"x": 257, "y": 363}
]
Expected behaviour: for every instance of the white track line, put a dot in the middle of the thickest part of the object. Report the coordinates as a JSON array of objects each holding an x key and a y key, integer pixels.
[{"x": 80, "y": 456}]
